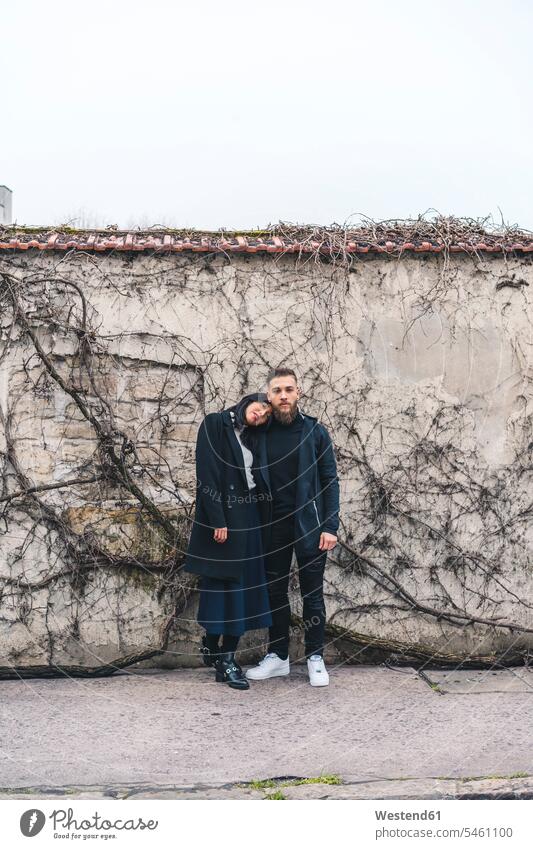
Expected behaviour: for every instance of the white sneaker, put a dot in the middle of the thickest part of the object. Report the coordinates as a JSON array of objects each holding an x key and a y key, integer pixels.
[
  {"x": 270, "y": 667},
  {"x": 318, "y": 675}
]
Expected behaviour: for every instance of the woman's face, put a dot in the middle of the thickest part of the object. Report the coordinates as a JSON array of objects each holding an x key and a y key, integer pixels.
[{"x": 257, "y": 413}]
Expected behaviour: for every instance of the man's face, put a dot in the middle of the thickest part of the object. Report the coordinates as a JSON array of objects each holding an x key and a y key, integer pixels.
[{"x": 283, "y": 394}]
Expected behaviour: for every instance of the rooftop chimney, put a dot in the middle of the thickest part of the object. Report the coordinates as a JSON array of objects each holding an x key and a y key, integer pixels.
[{"x": 6, "y": 196}]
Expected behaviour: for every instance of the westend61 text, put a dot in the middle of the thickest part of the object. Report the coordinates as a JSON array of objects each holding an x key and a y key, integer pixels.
[{"x": 407, "y": 815}]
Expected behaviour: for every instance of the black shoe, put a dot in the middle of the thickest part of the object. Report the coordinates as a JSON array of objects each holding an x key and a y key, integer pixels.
[
  {"x": 207, "y": 657},
  {"x": 229, "y": 671}
]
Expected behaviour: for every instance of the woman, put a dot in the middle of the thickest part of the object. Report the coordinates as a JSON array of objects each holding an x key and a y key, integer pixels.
[{"x": 225, "y": 546}]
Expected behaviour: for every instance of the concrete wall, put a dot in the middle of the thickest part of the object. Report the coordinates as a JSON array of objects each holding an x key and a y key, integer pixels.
[{"x": 419, "y": 366}]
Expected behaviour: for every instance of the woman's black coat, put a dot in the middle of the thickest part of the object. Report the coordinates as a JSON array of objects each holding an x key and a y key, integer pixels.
[{"x": 222, "y": 500}]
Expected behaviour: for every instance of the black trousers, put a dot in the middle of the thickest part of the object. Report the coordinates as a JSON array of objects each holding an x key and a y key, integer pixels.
[{"x": 278, "y": 559}]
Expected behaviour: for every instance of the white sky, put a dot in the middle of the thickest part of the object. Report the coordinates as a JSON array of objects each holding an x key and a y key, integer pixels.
[{"x": 239, "y": 114}]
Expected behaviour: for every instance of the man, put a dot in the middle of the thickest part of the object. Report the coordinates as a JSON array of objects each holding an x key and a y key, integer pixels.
[{"x": 297, "y": 463}]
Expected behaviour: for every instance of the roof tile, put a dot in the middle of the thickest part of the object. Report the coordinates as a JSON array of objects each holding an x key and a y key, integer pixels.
[{"x": 389, "y": 238}]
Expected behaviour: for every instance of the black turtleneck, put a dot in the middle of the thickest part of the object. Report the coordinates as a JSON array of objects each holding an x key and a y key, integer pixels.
[{"x": 283, "y": 442}]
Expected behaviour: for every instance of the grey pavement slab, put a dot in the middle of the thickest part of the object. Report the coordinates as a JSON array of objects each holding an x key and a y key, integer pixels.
[
  {"x": 471, "y": 681},
  {"x": 421, "y": 788},
  {"x": 416, "y": 788},
  {"x": 178, "y": 732}
]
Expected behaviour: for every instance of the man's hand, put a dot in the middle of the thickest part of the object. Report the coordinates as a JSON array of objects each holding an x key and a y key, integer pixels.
[
  {"x": 220, "y": 534},
  {"x": 327, "y": 542}
]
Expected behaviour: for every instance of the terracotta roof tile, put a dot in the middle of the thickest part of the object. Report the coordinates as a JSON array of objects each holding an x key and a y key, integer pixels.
[{"x": 389, "y": 238}]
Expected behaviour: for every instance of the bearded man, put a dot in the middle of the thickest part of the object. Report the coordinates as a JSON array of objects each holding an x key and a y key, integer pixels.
[{"x": 296, "y": 461}]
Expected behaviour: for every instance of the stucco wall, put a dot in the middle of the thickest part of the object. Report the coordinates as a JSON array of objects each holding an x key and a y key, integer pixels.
[{"x": 419, "y": 366}]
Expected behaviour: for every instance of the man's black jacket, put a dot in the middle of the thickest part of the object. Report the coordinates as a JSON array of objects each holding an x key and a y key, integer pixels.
[{"x": 317, "y": 486}]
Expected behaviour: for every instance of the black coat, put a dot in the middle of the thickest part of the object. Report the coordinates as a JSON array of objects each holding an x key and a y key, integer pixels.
[
  {"x": 222, "y": 500},
  {"x": 317, "y": 487}
]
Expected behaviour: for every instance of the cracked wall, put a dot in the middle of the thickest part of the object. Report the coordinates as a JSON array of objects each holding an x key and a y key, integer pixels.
[{"x": 420, "y": 368}]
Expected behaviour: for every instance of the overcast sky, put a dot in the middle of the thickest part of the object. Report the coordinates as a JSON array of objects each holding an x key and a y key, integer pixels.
[{"x": 208, "y": 114}]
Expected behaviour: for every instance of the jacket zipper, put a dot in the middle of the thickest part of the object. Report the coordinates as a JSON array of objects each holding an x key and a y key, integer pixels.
[{"x": 316, "y": 511}]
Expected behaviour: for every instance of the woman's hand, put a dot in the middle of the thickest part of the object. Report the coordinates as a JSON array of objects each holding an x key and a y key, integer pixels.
[{"x": 220, "y": 534}]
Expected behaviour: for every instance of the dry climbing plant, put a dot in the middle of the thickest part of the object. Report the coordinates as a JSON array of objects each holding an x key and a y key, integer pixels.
[{"x": 415, "y": 502}]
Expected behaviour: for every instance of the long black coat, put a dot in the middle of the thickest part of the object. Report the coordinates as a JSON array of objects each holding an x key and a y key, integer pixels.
[{"x": 222, "y": 500}]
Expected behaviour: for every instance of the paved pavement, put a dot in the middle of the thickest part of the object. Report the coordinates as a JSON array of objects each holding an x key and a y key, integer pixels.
[{"x": 375, "y": 732}]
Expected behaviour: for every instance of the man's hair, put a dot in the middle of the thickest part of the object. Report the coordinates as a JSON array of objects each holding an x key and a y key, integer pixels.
[{"x": 282, "y": 371}]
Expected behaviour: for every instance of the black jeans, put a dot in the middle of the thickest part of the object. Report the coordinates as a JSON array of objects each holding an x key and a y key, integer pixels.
[{"x": 311, "y": 574}]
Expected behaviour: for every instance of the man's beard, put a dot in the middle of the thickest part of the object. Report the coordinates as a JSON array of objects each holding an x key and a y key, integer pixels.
[{"x": 285, "y": 416}]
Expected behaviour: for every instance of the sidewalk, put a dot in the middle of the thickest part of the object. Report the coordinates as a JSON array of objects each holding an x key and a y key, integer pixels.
[{"x": 375, "y": 732}]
